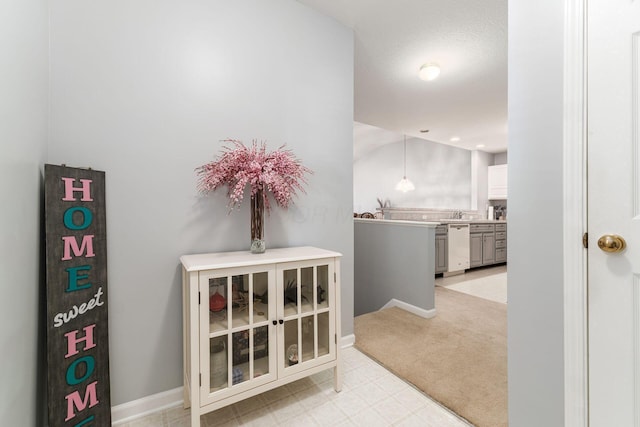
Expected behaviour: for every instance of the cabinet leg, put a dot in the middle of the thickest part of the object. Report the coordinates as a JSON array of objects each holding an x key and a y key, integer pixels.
[
  {"x": 185, "y": 398},
  {"x": 195, "y": 418},
  {"x": 337, "y": 377}
]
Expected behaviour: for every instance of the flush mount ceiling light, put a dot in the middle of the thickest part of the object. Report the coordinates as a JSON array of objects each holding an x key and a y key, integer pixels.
[
  {"x": 405, "y": 185},
  {"x": 455, "y": 139},
  {"x": 480, "y": 146},
  {"x": 429, "y": 71}
]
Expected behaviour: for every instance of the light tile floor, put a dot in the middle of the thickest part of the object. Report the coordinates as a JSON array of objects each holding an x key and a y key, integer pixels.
[
  {"x": 475, "y": 273},
  {"x": 371, "y": 396},
  {"x": 488, "y": 283}
]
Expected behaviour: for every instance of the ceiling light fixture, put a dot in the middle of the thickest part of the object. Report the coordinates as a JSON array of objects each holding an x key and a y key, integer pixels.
[
  {"x": 480, "y": 146},
  {"x": 455, "y": 139},
  {"x": 429, "y": 72},
  {"x": 405, "y": 185}
]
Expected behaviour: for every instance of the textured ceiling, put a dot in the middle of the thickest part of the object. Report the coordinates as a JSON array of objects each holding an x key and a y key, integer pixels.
[{"x": 467, "y": 38}]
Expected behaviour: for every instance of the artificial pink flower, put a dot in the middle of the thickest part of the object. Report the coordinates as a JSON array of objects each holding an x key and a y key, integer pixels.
[{"x": 277, "y": 172}]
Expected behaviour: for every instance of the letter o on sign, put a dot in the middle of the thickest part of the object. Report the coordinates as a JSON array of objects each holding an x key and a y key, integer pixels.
[
  {"x": 71, "y": 370},
  {"x": 87, "y": 217}
]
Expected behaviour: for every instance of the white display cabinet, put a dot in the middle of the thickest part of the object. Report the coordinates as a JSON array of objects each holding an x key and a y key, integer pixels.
[{"x": 253, "y": 322}]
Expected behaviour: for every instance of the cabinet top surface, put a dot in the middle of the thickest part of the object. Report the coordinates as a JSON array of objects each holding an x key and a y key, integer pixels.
[{"x": 210, "y": 261}]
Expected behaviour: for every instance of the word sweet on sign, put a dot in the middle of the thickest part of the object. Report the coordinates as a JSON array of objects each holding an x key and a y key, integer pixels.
[{"x": 77, "y": 334}]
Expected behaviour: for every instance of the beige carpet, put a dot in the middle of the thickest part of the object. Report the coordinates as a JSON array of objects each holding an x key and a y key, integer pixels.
[{"x": 458, "y": 357}]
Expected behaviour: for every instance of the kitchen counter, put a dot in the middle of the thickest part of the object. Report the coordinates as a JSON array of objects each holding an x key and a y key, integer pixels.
[
  {"x": 487, "y": 246},
  {"x": 471, "y": 221},
  {"x": 487, "y": 243},
  {"x": 439, "y": 215},
  {"x": 430, "y": 224}
]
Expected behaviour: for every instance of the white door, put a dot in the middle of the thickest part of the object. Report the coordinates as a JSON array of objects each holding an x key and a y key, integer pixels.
[{"x": 613, "y": 117}]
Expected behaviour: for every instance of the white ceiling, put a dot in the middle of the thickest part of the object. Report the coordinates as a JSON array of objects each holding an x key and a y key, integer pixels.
[{"x": 467, "y": 38}]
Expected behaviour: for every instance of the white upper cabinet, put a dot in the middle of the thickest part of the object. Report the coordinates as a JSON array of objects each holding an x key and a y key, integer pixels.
[{"x": 497, "y": 178}]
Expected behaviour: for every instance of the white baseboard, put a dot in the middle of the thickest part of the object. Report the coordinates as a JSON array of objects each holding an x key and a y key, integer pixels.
[
  {"x": 411, "y": 308},
  {"x": 347, "y": 341},
  {"x": 130, "y": 411}
]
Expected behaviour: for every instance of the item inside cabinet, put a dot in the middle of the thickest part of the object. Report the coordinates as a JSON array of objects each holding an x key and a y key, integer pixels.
[
  {"x": 218, "y": 352},
  {"x": 292, "y": 354},
  {"x": 239, "y": 295},
  {"x": 217, "y": 300}
]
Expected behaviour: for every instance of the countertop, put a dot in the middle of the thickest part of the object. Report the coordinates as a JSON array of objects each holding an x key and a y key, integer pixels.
[
  {"x": 471, "y": 221},
  {"x": 429, "y": 224}
]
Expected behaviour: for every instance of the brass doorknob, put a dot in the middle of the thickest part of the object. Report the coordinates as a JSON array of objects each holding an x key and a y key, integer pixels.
[{"x": 612, "y": 243}]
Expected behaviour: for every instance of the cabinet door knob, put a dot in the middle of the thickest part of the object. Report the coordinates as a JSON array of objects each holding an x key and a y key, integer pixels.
[
  {"x": 275, "y": 322},
  {"x": 281, "y": 321}
]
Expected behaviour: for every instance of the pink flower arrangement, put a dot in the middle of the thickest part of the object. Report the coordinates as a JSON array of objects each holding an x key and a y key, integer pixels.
[{"x": 278, "y": 172}]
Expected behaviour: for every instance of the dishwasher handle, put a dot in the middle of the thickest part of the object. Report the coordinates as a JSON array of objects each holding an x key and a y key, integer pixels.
[{"x": 458, "y": 226}]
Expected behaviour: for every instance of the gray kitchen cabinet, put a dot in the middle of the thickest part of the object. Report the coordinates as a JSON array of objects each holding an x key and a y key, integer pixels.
[
  {"x": 488, "y": 248},
  {"x": 441, "y": 249},
  {"x": 475, "y": 249},
  {"x": 501, "y": 243},
  {"x": 441, "y": 254},
  {"x": 482, "y": 228},
  {"x": 488, "y": 244},
  {"x": 482, "y": 244}
]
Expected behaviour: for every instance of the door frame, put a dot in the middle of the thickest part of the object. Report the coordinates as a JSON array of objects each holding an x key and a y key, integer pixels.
[{"x": 576, "y": 380}]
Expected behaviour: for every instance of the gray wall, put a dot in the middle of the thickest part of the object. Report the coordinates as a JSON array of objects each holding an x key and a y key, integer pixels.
[
  {"x": 23, "y": 138},
  {"x": 386, "y": 268},
  {"x": 441, "y": 174},
  {"x": 145, "y": 91},
  {"x": 500, "y": 158},
  {"x": 535, "y": 315}
]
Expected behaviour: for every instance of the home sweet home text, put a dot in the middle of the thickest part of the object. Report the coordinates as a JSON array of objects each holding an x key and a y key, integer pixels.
[{"x": 77, "y": 334}]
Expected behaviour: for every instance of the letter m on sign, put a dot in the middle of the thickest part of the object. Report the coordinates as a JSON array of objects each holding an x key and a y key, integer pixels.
[
  {"x": 77, "y": 404},
  {"x": 71, "y": 245},
  {"x": 78, "y": 388}
]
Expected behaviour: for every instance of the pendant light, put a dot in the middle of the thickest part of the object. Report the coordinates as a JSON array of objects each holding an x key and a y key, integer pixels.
[{"x": 405, "y": 185}]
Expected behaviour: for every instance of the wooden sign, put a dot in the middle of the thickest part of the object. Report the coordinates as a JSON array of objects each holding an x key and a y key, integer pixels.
[{"x": 77, "y": 334}]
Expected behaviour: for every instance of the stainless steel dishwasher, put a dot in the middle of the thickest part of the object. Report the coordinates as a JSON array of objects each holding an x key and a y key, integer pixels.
[{"x": 458, "y": 253}]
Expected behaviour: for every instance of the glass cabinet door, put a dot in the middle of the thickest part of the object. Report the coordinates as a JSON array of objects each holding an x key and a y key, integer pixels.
[
  {"x": 308, "y": 336},
  {"x": 240, "y": 345}
]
